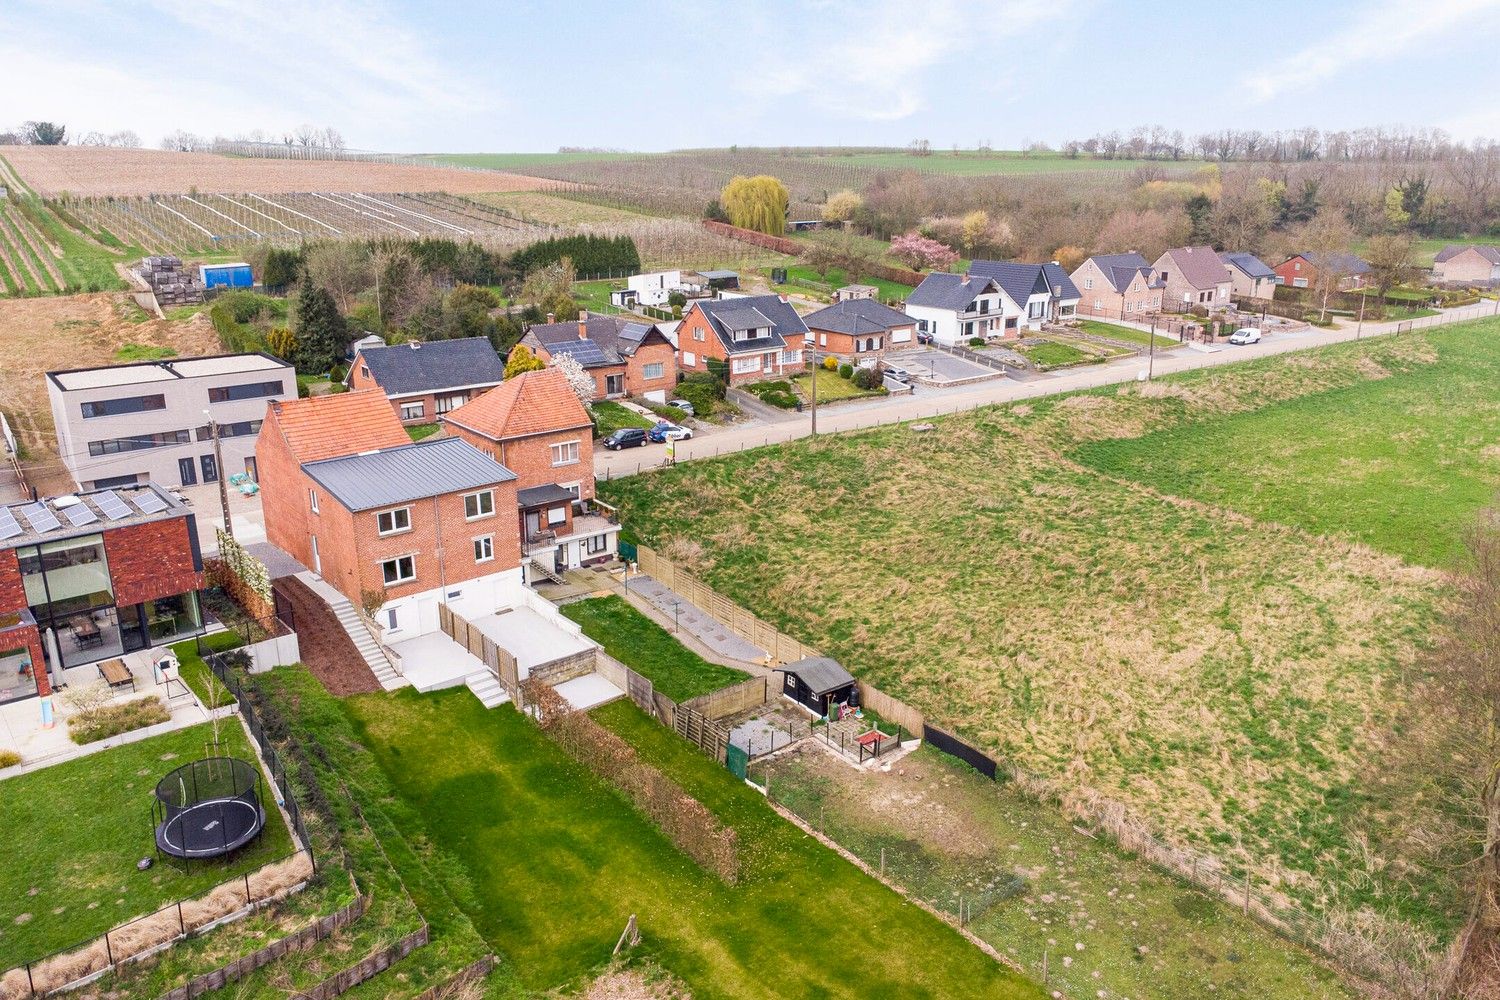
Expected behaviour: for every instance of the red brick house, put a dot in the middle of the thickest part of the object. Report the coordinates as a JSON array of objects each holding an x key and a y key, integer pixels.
[
  {"x": 534, "y": 425},
  {"x": 624, "y": 357},
  {"x": 1118, "y": 286},
  {"x": 1193, "y": 276},
  {"x": 757, "y": 337},
  {"x": 419, "y": 524},
  {"x": 855, "y": 329},
  {"x": 1306, "y": 270},
  {"x": 425, "y": 379},
  {"x": 90, "y": 577}
]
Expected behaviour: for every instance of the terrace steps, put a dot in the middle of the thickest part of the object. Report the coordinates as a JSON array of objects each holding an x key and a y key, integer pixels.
[
  {"x": 369, "y": 649},
  {"x": 487, "y": 689}
]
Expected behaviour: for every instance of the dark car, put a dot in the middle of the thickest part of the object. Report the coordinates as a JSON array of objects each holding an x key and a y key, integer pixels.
[
  {"x": 625, "y": 437},
  {"x": 924, "y": 337}
]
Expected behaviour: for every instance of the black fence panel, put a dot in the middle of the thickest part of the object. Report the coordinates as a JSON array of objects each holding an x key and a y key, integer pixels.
[{"x": 950, "y": 744}]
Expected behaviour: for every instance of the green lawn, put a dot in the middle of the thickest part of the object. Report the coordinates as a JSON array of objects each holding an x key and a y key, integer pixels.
[
  {"x": 74, "y": 832},
  {"x": 644, "y": 646},
  {"x": 835, "y": 277},
  {"x": 195, "y": 672},
  {"x": 1055, "y": 354},
  {"x": 420, "y": 432},
  {"x": 594, "y": 295},
  {"x": 552, "y": 862},
  {"x": 1127, "y": 334},
  {"x": 831, "y": 387},
  {"x": 612, "y": 416},
  {"x": 1400, "y": 463}
]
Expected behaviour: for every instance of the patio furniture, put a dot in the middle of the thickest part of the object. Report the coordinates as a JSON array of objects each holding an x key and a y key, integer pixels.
[
  {"x": 116, "y": 674},
  {"x": 86, "y": 633}
]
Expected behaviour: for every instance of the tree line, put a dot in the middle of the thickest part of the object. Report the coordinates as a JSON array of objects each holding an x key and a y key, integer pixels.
[{"x": 1157, "y": 142}]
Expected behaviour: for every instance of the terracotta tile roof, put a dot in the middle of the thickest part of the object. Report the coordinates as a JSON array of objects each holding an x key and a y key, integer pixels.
[
  {"x": 530, "y": 403},
  {"x": 322, "y": 427}
]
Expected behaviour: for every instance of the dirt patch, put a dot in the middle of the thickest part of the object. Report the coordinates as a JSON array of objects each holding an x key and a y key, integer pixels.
[
  {"x": 90, "y": 170},
  {"x": 75, "y": 331},
  {"x": 636, "y": 984},
  {"x": 325, "y": 647}
]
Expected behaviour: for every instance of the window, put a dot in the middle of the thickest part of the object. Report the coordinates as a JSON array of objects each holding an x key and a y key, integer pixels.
[
  {"x": 654, "y": 370},
  {"x": 792, "y": 358},
  {"x": 697, "y": 333},
  {"x": 557, "y": 515},
  {"x": 312, "y": 500},
  {"x": 1098, "y": 303},
  {"x": 1299, "y": 282},
  {"x": 484, "y": 549},
  {"x": 242, "y": 428},
  {"x": 689, "y": 359},
  {"x": 393, "y": 522},
  {"x": 130, "y": 404},
  {"x": 614, "y": 385},
  {"x": 565, "y": 453},
  {"x": 742, "y": 365},
  {"x": 413, "y": 411},
  {"x": 596, "y": 543},
  {"x": 968, "y": 329},
  {"x": 901, "y": 335},
  {"x": 364, "y": 371},
  {"x": 110, "y": 482},
  {"x": 391, "y": 621},
  {"x": 447, "y": 404},
  {"x": 402, "y": 569},
  {"x": 1035, "y": 309},
  {"x": 822, "y": 340},
  {"x": 138, "y": 442},
  {"x": 1088, "y": 283},
  {"x": 477, "y": 505},
  {"x": 250, "y": 390}
]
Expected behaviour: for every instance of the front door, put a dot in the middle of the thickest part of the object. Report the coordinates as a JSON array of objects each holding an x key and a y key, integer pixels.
[
  {"x": 187, "y": 471},
  {"x": 250, "y": 469},
  {"x": 210, "y": 469},
  {"x": 614, "y": 385}
]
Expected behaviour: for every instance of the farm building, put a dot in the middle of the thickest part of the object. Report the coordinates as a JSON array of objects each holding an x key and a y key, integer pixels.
[
  {"x": 817, "y": 683},
  {"x": 226, "y": 275}
]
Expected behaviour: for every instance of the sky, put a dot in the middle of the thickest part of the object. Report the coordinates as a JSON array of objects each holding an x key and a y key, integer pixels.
[{"x": 411, "y": 76}]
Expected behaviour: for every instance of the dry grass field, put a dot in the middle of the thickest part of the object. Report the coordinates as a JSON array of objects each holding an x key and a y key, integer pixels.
[
  {"x": 1232, "y": 682},
  {"x": 39, "y": 335},
  {"x": 88, "y": 170}
]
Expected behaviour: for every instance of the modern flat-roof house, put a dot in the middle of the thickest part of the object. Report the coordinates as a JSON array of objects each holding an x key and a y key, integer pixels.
[
  {"x": 1249, "y": 276},
  {"x": 624, "y": 357},
  {"x": 395, "y": 525},
  {"x": 860, "y": 328},
  {"x": 1467, "y": 265},
  {"x": 88, "y": 577},
  {"x": 534, "y": 425},
  {"x": 995, "y": 299},
  {"x": 149, "y": 422},
  {"x": 1117, "y": 286},
  {"x": 1306, "y": 270},
  {"x": 1193, "y": 276},
  {"x": 655, "y": 288},
  {"x": 425, "y": 379},
  {"x": 758, "y": 336}
]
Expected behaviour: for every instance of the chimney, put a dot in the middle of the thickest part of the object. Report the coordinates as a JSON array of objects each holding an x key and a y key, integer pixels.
[
  {"x": 583, "y": 328},
  {"x": 783, "y": 297},
  {"x": 964, "y": 280},
  {"x": 551, "y": 318}
]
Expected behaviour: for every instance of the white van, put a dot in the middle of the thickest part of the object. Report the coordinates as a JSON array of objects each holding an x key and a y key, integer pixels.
[{"x": 1245, "y": 335}]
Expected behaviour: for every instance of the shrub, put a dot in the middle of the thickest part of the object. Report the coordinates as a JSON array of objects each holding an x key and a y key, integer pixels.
[
  {"x": 846, "y": 371},
  {"x": 761, "y": 388},
  {"x": 784, "y": 400},
  {"x": 831, "y": 363},
  {"x": 868, "y": 378},
  {"x": 701, "y": 395},
  {"x": 714, "y": 384},
  {"x": 976, "y": 341},
  {"x": 9, "y": 758},
  {"x": 112, "y": 720}
]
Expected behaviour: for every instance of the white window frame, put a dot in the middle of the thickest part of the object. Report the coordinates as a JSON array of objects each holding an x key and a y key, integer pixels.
[
  {"x": 396, "y": 562},
  {"x": 394, "y": 529},
  {"x": 569, "y": 448},
  {"x": 689, "y": 359},
  {"x": 698, "y": 333},
  {"x": 484, "y": 549},
  {"x": 479, "y": 505},
  {"x": 901, "y": 335},
  {"x": 745, "y": 365},
  {"x": 791, "y": 357},
  {"x": 420, "y": 406},
  {"x": 595, "y": 544},
  {"x": 392, "y": 620},
  {"x": 557, "y": 515},
  {"x": 1088, "y": 283},
  {"x": 654, "y": 370},
  {"x": 312, "y": 500}
]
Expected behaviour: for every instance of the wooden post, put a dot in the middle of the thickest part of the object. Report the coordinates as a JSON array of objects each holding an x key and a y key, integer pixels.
[
  {"x": 1247, "y": 893},
  {"x": 630, "y": 937},
  {"x": 1044, "y": 966},
  {"x": 882, "y": 862}
]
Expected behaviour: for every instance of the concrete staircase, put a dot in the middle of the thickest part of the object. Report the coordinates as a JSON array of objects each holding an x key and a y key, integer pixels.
[
  {"x": 359, "y": 633},
  {"x": 486, "y": 688}
]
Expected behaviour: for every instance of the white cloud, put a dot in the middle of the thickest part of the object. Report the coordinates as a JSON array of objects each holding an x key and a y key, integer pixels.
[
  {"x": 1387, "y": 32},
  {"x": 876, "y": 61}
]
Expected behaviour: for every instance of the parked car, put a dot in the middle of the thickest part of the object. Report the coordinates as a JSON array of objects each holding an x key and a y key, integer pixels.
[
  {"x": 923, "y": 337},
  {"x": 677, "y": 432},
  {"x": 625, "y": 437},
  {"x": 1245, "y": 335},
  {"x": 684, "y": 406},
  {"x": 899, "y": 374},
  {"x": 665, "y": 430}
]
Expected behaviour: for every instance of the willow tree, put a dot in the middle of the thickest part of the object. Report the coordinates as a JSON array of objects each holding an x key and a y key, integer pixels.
[{"x": 758, "y": 203}]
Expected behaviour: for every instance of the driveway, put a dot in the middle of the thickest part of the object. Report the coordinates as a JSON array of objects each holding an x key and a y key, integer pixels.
[{"x": 939, "y": 368}]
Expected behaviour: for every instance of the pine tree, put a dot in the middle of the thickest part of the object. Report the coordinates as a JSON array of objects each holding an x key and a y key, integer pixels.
[{"x": 321, "y": 331}]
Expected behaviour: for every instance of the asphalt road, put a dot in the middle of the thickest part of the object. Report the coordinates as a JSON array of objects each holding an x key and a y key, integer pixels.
[{"x": 928, "y": 402}]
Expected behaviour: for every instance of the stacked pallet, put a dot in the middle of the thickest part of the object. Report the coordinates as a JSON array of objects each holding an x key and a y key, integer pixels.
[{"x": 172, "y": 285}]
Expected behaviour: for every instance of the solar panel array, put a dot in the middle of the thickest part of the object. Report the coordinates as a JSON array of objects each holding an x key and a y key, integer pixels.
[
  {"x": 9, "y": 527},
  {"x": 80, "y": 514},
  {"x": 585, "y": 352},
  {"x": 40, "y": 517},
  {"x": 148, "y": 503},
  {"x": 110, "y": 503}
]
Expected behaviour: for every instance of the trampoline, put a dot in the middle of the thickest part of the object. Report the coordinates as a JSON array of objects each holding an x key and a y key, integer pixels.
[{"x": 208, "y": 809}]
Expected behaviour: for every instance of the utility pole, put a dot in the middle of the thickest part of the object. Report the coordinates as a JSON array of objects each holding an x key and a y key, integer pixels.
[
  {"x": 213, "y": 428},
  {"x": 1151, "y": 354},
  {"x": 813, "y": 338},
  {"x": 1360, "y": 326}
]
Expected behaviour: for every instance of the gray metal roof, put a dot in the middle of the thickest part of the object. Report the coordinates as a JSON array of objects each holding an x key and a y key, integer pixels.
[
  {"x": 821, "y": 674},
  {"x": 434, "y": 365},
  {"x": 941, "y": 290},
  {"x": 430, "y": 468},
  {"x": 857, "y": 316}
]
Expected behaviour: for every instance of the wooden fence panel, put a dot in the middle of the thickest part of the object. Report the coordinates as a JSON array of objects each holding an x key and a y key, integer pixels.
[
  {"x": 728, "y": 701},
  {"x": 893, "y": 709}
]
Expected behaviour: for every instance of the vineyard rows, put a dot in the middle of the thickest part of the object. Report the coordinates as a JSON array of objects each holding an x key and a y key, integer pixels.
[{"x": 216, "y": 223}]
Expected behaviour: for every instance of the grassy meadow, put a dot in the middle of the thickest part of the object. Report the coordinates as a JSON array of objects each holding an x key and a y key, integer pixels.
[{"x": 1229, "y": 676}]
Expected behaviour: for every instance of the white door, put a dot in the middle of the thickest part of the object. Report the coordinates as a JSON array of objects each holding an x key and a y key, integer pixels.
[{"x": 317, "y": 560}]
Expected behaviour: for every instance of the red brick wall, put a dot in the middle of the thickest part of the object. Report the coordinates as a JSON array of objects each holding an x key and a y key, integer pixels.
[
  {"x": 13, "y": 598},
  {"x": 283, "y": 495},
  {"x": 151, "y": 560},
  {"x": 530, "y": 458},
  {"x": 694, "y": 325},
  {"x": 12, "y": 589}
]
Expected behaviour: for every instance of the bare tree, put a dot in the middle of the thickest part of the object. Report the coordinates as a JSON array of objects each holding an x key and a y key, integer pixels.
[{"x": 344, "y": 267}]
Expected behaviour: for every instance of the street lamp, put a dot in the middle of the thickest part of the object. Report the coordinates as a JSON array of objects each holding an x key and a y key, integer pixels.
[{"x": 213, "y": 429}]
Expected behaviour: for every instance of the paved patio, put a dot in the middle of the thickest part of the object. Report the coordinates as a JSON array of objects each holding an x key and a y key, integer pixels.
[
  {"x": 588, "y": 691},
  {"x": 697, "y": 622},
  {"x": 531, "y": 638},
  {"x": 245, "y": 515},
  {"x": 433, "y": 661}
]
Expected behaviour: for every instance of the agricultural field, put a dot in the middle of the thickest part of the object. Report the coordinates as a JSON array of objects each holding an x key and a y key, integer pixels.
[
  {"x": 52, "y": 171},
  {"x": 1228, "y": 675},
  {"x": 38, "y": 335},
  {"x": 542, "y": 208}
]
